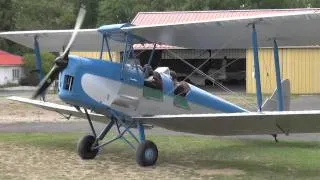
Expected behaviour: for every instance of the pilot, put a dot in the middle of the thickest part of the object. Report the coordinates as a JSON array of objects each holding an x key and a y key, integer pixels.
[
  {"x": 182, "y": 89},
  {"x": 147, "y": 70},
  {"x": 174, "y": 77},
  {"x": 156, "y": 81}
]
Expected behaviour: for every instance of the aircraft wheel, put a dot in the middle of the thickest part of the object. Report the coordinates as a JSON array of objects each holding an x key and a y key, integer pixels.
[
  {"x": 147, "y": 153},
  {"x": 84, "y": 147}
]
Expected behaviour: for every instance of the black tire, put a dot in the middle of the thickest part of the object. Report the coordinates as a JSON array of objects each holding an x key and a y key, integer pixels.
[
  {"x": 147, "y": 153},
  {"x": 84, "y": 147}
]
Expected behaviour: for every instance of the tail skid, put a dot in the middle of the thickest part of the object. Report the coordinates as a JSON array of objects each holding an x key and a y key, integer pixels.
[{"x": 271, "y": 104}]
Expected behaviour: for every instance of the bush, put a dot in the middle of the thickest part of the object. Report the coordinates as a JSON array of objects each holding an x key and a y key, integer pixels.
[{"x": 32, "y": 76}]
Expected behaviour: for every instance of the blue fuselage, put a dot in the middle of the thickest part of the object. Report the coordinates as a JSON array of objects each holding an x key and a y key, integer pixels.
[{"x": 102, "y": 85}]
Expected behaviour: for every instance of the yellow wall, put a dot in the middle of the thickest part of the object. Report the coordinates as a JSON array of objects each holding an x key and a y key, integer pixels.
[
  {"x": 96, "y": 55},
  {"x": 300, "y": 65}
]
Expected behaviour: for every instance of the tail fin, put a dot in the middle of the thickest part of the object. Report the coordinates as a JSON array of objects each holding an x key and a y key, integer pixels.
[{"x": 271, "y": 104}]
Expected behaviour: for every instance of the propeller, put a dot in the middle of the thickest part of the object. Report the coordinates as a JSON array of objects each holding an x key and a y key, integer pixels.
[{"x": 60, "y": 62}]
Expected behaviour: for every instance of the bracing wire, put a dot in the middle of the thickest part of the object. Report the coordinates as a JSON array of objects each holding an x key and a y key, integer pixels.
[
  {"x": 248, "y": 103},
  {"x": 197, "y": 69}
]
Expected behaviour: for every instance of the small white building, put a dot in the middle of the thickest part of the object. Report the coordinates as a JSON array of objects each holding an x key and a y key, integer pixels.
[{"x": 11, "y": 68}]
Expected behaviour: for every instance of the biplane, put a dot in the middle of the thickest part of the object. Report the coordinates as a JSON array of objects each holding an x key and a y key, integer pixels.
[{"x": 123, "y": 94}]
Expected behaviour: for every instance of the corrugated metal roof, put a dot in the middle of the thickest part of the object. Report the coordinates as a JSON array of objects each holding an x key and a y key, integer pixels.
[
  {"x": 150, "y": 46},
  {"x": 7, "y": 59},
  {"x": 171, "y": 17}
]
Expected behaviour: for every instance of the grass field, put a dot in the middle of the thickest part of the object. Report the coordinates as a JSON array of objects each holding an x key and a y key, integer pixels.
[{"x": 53, "y": 156}]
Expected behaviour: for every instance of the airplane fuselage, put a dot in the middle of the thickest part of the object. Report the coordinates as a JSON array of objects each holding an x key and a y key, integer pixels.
[{"x": 112, "y": 88}]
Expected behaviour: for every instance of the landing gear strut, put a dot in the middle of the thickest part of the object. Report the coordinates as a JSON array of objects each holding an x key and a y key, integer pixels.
[
  {"x": 146, "y": 151},
  {"x": 275, "y": 136}
]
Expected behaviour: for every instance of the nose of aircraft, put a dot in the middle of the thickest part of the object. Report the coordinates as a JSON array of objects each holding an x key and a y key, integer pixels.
[{"x": 61, "y": 62}]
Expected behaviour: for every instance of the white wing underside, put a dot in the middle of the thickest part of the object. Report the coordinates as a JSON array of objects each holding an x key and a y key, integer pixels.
[
  {"x": 54, "y": 40},
  {"x": 62, "y": 109}
]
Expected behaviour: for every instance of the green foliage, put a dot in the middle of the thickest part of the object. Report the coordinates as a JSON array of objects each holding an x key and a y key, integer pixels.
[
  {"x": 47, "y": 62},
  {"x": 6, "y": 15},
  {"x": 277, "y": 4},
  {"x": 43, "y": 14},
  {"x": 122, "y": 11},
  {"x": 91, "y": 6},
  {"x": 6, "y": 21},
  {"x": 32, "y": 76}
]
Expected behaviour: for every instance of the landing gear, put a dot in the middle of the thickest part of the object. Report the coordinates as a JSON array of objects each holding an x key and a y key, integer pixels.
[
  {"x": 147, "y": 153},
  {"x": 86, "y": 148},
  {"x": 275, "y": 136}
]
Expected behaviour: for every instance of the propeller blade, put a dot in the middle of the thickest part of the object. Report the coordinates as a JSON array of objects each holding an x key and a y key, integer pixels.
[
  {"x": 47, "y": 81},
  {"x": 77, "y": 26},
  {"x": 62, "y": 61}
]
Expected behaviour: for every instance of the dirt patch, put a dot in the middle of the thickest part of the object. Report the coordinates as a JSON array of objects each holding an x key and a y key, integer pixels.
[
  {"x": 220, "y": 172},
  {"x": 13, "y": 112}
]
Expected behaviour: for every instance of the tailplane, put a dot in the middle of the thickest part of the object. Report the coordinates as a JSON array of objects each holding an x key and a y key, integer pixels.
[{"x": 271, "y": 104}]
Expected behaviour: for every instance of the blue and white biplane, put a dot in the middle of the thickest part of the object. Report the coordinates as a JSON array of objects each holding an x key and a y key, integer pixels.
[{"x": 124, "y": 95}]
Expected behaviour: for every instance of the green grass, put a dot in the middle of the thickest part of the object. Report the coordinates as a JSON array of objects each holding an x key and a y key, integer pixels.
[{"x": 259, "y": 159}]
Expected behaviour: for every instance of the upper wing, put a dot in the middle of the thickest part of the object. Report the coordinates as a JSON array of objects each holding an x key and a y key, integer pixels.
[
  {"x": 239, "y": 123},
  {"x": 55, "y": 40},
  {"x": 62, "y": 109},
  {"x": 289, "y": 28}
]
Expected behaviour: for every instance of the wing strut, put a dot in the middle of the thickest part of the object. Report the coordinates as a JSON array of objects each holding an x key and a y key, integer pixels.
[
  {"x": 38, "y": 57},
  {"x": 38, "y": 63},
  {"x": 105, "y": 40},
  {"x": 152, "y": 53},
  {"x": 102, "y": 46},
  {"x": 256, "y": 66},
  {"x": 278, "y": 75}
]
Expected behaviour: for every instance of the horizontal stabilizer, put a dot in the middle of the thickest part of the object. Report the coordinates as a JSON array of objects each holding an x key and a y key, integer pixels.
[
  {"x": 248, "y": 123},
  {"x": 62, "y": 109}
]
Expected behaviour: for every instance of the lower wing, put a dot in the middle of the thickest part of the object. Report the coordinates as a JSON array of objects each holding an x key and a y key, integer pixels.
[
  {"x": 251, "y": 123},
  {"x": 62, "y": 109},
  {"x": 248, "y": 123}
]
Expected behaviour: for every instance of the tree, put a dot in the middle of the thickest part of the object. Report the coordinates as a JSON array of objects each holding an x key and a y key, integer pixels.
[
  {"x": 43, "y": 14},
  {"x": 91, "y": 6},
  {"x": 276, "y": 4},
  {"x": 114, "y": 11},
  {"x": 314, "y": 3},
  {"x": 31, "y": 15},
  {"x": 32, "y": 77},
  {"x": 121, "y": 11},
  {"x": 6, "y": 21}
]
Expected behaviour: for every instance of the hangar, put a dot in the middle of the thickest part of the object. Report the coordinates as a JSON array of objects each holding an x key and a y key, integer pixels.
[{"x": 234, "y": 66}]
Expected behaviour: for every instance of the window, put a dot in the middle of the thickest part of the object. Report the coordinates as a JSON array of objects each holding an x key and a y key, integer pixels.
[
  {"x": 68, "y": 82},
  {"x": 15, "y": 74}
]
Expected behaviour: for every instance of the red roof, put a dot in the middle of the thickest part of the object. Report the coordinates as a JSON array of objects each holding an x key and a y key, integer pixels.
[
  {"x": 7, "y": 59},
  {"x": 172, "y": 17}
]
